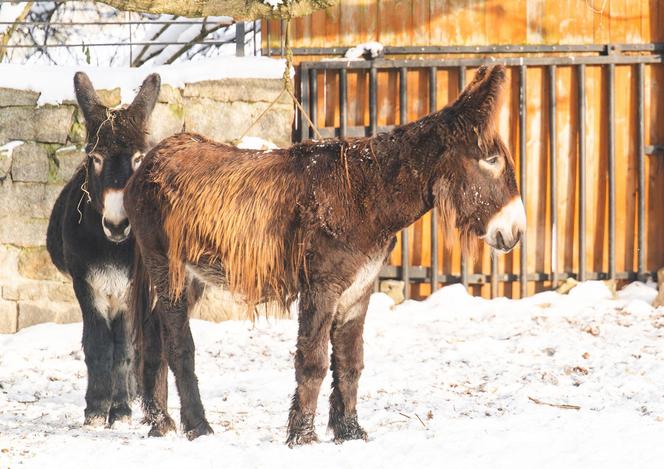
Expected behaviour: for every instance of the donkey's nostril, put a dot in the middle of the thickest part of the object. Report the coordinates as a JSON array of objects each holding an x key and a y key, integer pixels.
[
  {"x": 116, "y": 232},
  {"x": 500, "y": 242}
]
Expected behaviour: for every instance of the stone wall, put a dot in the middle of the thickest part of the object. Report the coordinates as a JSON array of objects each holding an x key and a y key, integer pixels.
[{"x": 32, "y": 174}]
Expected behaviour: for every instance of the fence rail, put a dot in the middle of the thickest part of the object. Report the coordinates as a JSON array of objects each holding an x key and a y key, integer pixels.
[{"x": 337, "y": 72}]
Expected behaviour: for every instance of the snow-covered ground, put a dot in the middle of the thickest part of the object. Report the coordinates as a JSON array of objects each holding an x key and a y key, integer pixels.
[{"x": 453, "y": 381}]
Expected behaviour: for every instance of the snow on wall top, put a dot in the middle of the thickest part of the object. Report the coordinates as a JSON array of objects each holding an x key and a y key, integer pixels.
[{"x": 56, "y": 84}]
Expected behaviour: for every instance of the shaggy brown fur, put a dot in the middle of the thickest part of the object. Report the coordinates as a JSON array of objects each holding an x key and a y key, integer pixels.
[
  {"x": 249, "y": 194},
  {"x": 316, "y": 219}
]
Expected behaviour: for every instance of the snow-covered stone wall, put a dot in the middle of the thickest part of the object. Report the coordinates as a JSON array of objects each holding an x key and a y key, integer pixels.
[{"x": 40, "y": 148}]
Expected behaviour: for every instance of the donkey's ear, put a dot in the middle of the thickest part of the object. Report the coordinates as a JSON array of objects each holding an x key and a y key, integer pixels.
[
  {"x": 145, "y": 100},
  {"x": 480, "y": 100},
  {"x": 94, "y": 111}
]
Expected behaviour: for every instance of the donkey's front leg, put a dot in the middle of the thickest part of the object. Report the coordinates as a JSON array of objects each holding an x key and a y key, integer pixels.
[
  {"x": 347, "y": 365},
  {"x": 98, "y": 350},
  {"x": 180, "y": 352},
  {"x": 123, "y": 384},
  {"x": 311, "y": 361}
]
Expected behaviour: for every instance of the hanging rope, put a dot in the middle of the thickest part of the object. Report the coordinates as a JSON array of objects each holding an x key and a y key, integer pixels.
[{"x": 288, "y": 87}]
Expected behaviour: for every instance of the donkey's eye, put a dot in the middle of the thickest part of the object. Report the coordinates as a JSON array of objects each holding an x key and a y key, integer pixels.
[
  {"x": 97, "y": 160},
  {"x": 136, "y": 160},
  {"x": 492, "y": 159}
]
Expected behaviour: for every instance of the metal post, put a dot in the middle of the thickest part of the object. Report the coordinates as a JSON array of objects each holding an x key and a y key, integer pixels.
[
  {"x": 523, "y": 270},
  {"x": 403, "y": 119},
  {"x": 553, "y": 135},
  {"x": 239, "y": 38},
  {"x": 433, "y": 105},
  {"x": 313, "y": 104},
  {"x": 303, "y": 125},
  {"x": 343, "y": 102},
  {"x": 611, "y": 169},
  {"x": 641, "y": 255},
  {"x": 464, "y": 265},
  {"x": 373, "y": 113},
  {"x": 581, "y": 78}
]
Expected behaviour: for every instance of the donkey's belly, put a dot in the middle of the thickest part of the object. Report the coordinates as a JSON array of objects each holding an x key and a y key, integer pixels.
[
  {"x": 109, "y": 286},
  {"x": 347, "y": 307}
]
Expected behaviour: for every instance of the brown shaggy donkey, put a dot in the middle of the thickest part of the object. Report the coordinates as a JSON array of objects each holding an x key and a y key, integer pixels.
[{"x": 316, "y": 220}]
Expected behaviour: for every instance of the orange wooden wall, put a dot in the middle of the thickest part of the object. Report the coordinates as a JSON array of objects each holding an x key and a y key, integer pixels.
[{"x": 476, "y": 22}]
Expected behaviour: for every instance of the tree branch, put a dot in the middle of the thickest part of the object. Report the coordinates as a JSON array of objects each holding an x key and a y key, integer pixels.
[{"x": 239, "y": 9}]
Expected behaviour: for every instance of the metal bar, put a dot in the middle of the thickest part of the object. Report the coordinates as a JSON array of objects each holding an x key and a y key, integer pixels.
[
  {"x": 421, "y": 274},
  {"x": 477, "y": 61},
  {"x": 405, "y": 261},
  {"x": 553, "y": 183},
  {"x": 433, "y": 105},
  {"x": 146, "y": 22},
  {"x": 494, "y": 49},
  {"x": 282, "y": 29},
  {"x": 313, "y": 104},
  {"x": 494, "y": 273},
  {"x": 653, "y": 149},
  {"x": 403, "y": 119},
  {"x": 239, "y": 38},
  {"x": 611, "y": 167},
  {"x": 303, "y": 125},
  {"x": 403, "y": 95},
  {"x": 464, "y": 264},
  {"x": 523, "y": 250},
  {"x": 255, "y": 36},
  {"x": 640, "y": 139},
  {"x": 343, "y": 101},
  {"x": 115, "y": 44},
  {"x": 267, "y": 40},
  {"x": 581, "y": 107},
  {"x": 373, "y": 113}
]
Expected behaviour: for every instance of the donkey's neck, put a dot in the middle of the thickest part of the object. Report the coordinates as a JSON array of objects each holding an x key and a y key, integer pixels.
[{"x": 409, "y": 161}]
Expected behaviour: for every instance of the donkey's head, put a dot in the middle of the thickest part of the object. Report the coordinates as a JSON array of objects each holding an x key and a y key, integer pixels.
[
  {"x": 116, "y": 142},
  {"x": 476, "y": 190}
]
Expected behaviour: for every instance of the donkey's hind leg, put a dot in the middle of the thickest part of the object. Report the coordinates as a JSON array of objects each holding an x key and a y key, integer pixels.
[
  {"x": 347, "y": 365},
  {"x": 180, "y": 353},
  {"x": 311, "y": 362},
  {"x": 123, "y": 382},
  {"x": 155, "y": 378}
]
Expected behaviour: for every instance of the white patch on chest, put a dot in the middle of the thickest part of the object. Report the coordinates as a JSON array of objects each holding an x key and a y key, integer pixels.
[
  {"x": 363, "y": 280},
  {"x": 110, "y": 290}
]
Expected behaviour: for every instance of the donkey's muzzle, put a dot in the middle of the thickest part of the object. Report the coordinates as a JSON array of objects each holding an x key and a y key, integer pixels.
[
  {"x": 506, "y": 227},
  {"x": 116, "y": 232}
]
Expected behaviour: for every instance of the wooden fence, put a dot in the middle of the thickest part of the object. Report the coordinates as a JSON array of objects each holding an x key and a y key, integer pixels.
[{"x": 569, "y": 215}]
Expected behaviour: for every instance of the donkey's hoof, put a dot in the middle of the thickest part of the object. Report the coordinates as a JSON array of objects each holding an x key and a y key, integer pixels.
[
  {"x": 94, "y": 420},
  {"x": 120, "y": 414},
  {"x": 300, "y": 439},
  {"x": 347, "y": 428},
  {"x": 161, "y": 427},
  {"x": 201, "y": 429},
  {"x": 355, "y": 434}
]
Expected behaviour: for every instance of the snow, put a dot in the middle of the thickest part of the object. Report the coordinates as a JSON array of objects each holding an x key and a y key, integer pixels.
[
  {"x": 256, "y": 143},
  {"x": 9, "y": 12},
  {"x": 9, "y": 147},
  {"x": 56, "y": 83},
  {"x": 448, "y": 381},
  {"x": 373, "y": 49},
  {"x": 273, "y": 3}
]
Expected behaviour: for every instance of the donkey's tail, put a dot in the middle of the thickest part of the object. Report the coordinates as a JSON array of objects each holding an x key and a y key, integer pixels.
[{"x": 140, "y": 308}]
